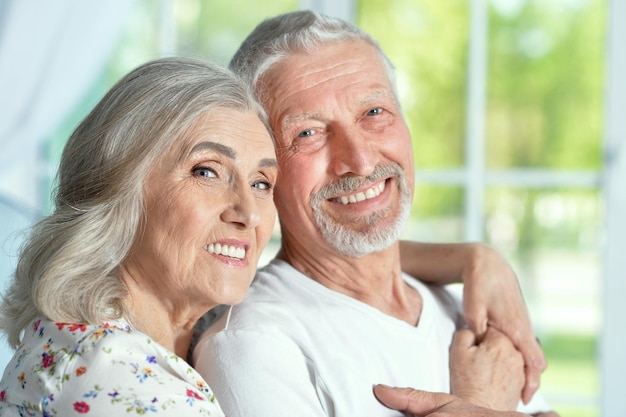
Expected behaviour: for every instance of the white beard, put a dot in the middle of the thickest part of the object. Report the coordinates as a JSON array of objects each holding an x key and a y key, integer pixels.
[{"x": 354, "y": 243}]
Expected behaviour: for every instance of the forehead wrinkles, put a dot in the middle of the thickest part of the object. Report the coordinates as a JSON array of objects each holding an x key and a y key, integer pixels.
[{"x": 290, "y": 85}]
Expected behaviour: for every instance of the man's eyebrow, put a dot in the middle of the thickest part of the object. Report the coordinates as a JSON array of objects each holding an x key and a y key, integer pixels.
[
  {"x": 218, "y": 147},
  {"x": 375, "y": 95},
  {"x": 300, "y": 117}
]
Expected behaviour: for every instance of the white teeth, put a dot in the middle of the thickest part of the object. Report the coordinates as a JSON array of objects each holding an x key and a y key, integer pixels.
[
  {"x": 226, "y": 250},
  {"x": 361, "y": 196}
]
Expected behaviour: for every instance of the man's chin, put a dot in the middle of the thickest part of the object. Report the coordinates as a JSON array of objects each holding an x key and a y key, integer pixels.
[{"x": 357, "y": 244}]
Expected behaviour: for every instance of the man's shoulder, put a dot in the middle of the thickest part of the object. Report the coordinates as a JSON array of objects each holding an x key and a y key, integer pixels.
[
  {"x": 279, "y": 303},
  {"x": 277, "y": 283}
]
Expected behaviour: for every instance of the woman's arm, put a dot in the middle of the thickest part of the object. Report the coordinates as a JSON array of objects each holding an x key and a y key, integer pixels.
[
  {"x": 425, "y": 403},
  {"x": 491, "y": 294}
]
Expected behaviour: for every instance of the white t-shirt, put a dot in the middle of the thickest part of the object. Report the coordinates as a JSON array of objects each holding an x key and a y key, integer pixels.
[{"x": 296, "y": 348}]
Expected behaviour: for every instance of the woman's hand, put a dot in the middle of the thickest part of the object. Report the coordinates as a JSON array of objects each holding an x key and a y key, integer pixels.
[
  {"x": 489, "y": 373},
  {"x": 424, "y": 404},
  {"x": 491, "y": 294}
]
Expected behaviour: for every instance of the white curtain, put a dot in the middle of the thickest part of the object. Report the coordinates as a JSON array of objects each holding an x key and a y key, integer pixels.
[{"x": 51, "y": 53}]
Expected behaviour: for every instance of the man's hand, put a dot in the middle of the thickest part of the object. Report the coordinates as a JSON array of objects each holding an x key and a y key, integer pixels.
[
  {"x": 492, "y": 296},
  {"x": 489, "y": 373},
  {"x": 430, "y": 404}
]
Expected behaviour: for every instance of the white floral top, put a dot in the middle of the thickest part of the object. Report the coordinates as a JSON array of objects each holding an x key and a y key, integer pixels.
[{"x": 64, "y": 369}]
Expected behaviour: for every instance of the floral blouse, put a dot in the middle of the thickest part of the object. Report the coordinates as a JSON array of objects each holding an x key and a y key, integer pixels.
[{"x": 66, "y": 369}]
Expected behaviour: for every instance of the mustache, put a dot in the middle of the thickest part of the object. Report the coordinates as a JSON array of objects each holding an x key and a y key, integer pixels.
[{"x": 347, "y": 184}]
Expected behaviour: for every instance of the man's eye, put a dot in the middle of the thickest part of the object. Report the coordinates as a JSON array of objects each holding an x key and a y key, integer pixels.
[
  {"x": 204, "y": 172},
  {"x": 374, "y": 111},
  {"x": 305, "y": 133}
]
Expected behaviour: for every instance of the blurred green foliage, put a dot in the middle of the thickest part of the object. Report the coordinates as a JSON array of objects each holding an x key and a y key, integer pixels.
[
  {"x": 572, "y": 371},
  {"x": 545, "y": 89}
]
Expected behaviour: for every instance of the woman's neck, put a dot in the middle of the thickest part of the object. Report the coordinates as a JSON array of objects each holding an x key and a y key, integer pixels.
[{"x": 170, "y": 321}]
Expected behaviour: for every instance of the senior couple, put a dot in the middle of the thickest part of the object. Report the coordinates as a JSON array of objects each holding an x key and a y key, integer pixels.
[{"x": 165, "y": 201}]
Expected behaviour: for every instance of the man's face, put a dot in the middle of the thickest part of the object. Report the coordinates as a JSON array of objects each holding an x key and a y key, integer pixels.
[{"x": 344, "y": 150}]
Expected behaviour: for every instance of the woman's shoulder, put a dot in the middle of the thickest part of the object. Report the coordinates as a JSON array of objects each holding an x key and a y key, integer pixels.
[
  {"x": 50, "y": 349},
  {"x": 112, "y": 342},
  {"x": 77, "y": 366},
  {"x": 75, "y": 339}
]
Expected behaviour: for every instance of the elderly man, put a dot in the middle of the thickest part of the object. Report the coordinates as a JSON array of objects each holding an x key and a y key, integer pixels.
[{"x": 333, "y": 314}]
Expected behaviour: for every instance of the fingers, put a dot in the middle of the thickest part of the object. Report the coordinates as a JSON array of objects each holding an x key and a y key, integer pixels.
[
  {"x": 535, "y": 365},
  {"x": 534, "y": 359},
  {"x": 475, "y": 315},
  {"x": 463, "y": 339},
  {"x": 410, "y": 400},
  {"x": 493, "y": 335}
]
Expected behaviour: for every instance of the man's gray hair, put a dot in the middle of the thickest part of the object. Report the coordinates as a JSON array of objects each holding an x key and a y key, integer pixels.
[
  {"x": 68, "y": 269},
  {"x": 298, "y": 32}
]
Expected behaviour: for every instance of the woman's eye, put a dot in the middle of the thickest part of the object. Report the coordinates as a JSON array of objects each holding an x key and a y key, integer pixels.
[
  {"x": 204, "y": 172},
  {"x": 374, "y": 111},
  {"x": 262, "y": 185}
]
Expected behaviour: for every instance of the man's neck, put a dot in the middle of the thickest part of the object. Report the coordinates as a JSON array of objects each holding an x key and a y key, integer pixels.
[{"x": 374, "y": 279}]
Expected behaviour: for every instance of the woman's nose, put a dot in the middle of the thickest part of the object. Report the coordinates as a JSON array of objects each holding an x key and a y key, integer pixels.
[{"x": 242, "y": 209}]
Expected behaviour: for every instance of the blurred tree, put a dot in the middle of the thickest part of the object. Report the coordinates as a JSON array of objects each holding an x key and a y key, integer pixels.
[
  {"x": 215, "y": 29},
  {"x": 545, "y": 93}
]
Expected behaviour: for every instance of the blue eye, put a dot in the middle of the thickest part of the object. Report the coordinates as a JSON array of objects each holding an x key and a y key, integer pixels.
[
  {"x": 204, "y": 172},
  {"x": 374, "y": 111},
  {"x": 305, "y": 133},
  {"x": 262, "y": 185}
]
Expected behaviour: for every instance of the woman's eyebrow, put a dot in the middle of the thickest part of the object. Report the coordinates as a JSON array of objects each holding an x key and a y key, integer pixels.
[
  {"x": 218, "y": 147},
  {"x": 268, "y": 163}
]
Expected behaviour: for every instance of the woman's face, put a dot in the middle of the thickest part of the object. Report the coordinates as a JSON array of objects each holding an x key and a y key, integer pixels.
[{"x": 209, "y": 212}]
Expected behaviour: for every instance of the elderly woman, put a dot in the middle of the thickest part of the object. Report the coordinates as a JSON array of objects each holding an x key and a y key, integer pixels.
[{"x": 163, "y": 207}]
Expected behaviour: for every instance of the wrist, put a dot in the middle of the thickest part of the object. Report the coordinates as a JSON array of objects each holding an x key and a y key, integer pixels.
[
  {"x": 472, "y": 396},
  {"x": 476, "y": 256}
]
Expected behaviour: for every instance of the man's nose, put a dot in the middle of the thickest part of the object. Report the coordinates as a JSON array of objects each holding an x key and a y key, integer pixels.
[{"x": 352, "y": 153}]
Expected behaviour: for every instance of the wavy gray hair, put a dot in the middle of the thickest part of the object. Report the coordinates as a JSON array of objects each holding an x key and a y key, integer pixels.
[
  {"x": 297, "y": 32},
  {"x": 68, "y": 267}
]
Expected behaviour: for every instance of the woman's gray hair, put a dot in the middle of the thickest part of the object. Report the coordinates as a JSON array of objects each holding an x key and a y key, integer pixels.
[
  {"x": 68, "y": 269},
  {"x": 298, "y": 32}
]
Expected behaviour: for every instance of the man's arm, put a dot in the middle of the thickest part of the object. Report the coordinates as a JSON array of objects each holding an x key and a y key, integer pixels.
[
  {"x": 491, "y": 294},
  {"x": 425, "y": 404}
]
